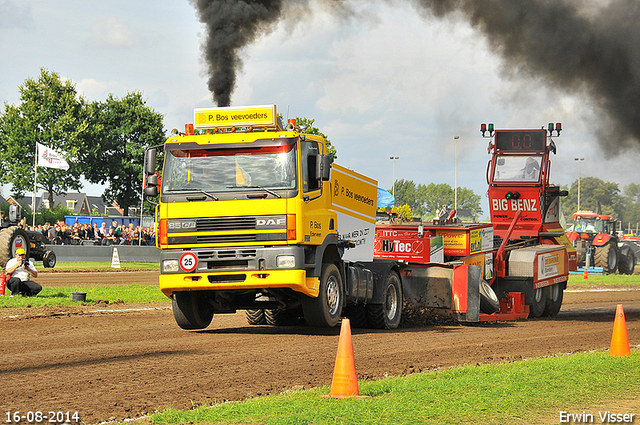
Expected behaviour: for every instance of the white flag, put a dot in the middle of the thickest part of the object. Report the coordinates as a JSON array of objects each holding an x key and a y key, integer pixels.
[{"x": 47, "y": 157}]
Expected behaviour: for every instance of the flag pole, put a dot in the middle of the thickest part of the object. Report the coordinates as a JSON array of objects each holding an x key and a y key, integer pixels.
[{"x": 35, "y": 181}]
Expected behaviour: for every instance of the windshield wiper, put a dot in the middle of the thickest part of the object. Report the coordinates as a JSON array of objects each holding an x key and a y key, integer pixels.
[
  {"x": 201, "y": 191},
  {"x": 244, "y": 186}
]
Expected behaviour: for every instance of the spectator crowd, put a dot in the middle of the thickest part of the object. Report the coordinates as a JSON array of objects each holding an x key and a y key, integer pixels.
[{"x": 61, "y": 233}]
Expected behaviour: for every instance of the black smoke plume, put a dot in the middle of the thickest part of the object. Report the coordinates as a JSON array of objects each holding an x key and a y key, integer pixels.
[
  {"x": 231, "y": 25},
  {"x": 575, "y": 46}
]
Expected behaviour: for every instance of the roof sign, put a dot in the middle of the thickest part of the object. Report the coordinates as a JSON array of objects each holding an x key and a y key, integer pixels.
[{"x": 263, "y": 115}]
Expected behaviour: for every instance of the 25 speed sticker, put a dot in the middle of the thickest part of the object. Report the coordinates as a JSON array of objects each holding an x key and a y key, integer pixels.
[
  {"x": 42, "y": 417},
  {"x": 188, "y": 261}
]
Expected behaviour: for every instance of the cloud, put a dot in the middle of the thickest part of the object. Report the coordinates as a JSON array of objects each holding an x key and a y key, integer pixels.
[
  {"x": 15, "y": 16},
  {"x": 111, "y": 32}
]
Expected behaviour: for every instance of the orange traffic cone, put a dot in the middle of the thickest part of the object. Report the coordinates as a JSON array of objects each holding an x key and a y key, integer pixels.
[
  {"x": 345, "y": 380},
  {"x": 620, "y": 339},
  {"x": 585, "y": 274}
]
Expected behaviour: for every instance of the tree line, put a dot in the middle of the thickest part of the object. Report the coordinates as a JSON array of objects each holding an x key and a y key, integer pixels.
[{"x": 103, "y": 141}]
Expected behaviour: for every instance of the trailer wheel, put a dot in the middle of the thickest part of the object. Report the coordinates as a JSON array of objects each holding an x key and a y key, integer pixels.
[
  {"x": 554, "y": 301},
  {"x": 489, "y": 302},
  {"x": 607, "y": 258},
  {"x": 627, "y": 262},
  {"x": 388, "y": 314},
  {"x": 325, "y": 309},
  {"x": 539, "y": 302},
  {"x": 255, "y": 317},
  {"x": 191, "y": 310}
]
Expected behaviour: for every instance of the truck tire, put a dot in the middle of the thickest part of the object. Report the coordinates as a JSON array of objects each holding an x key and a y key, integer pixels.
[
  {"x": 191, "y": 310},
  {"x": 554, "y": 300},
  {"x": 49, "y": 259},
  {"x": 325, "y": 309},
  {"x": 11, "y": 239},
  {"x": 357, "y": 315},
  {"x": 255, "y": 316},
  {"x": 606, "y": 257},
  {"x": 627, "y": 262},
  {"x": 274, "y": 316},
  {"x": 388, "y": 314},
  {"x": 489, "y": 302},
  {"x": 539, "y": 302}
]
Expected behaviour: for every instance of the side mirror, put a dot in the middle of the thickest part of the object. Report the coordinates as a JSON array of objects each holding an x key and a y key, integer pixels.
[
  {"x": 323, "y": 167},
  {"x": 150, "y": 162},
  {"x": 151, "y": 191}
]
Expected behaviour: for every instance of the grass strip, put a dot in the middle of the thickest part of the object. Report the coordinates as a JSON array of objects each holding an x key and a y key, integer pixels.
[
  {"x": 132, "y": 293},
  {"x": 607, "y": 280},
  {"x": 529, "y": 391},
  {"x": 90, "y": 266}
]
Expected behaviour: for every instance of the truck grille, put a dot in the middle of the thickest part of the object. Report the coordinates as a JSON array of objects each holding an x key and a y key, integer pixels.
[{"x": 225, "y": 223}]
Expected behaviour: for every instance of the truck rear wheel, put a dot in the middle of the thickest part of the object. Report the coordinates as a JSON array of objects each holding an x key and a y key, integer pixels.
[
  {"x": 554, "y": 301},
  {"x": 607, "y": 258},
  {"x": 325, "y": 309},
  {"x": 388, "y": 314},
  {"x": 191, "y": 310},
  {"x": 539, "y": 302}
]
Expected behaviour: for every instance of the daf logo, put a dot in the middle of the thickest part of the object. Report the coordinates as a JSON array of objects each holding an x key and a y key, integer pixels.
[
  {"x": 271, "y": 222},
  {"x": 279, "y": 222}
]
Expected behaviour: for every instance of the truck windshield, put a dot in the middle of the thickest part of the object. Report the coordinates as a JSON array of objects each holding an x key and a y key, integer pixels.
[
  {"x": 223, "y": 170},
  {"x": 517, "y": 168}
]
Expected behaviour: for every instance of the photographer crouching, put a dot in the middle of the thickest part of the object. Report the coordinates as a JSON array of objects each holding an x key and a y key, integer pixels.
[{"x": 21, "y": 271}]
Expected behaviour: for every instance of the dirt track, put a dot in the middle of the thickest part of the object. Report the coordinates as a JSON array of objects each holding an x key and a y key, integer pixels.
[{"x": 120, "y": 361}]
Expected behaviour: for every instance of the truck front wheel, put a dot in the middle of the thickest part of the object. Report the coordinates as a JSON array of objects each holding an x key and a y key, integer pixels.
[
  {"x": 325, "y": 309},
  {"x": 388, "y": 314},
  {"x": 191, "y": 310}
]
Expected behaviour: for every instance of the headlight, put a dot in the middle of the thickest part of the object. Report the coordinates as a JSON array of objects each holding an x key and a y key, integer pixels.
[
  {"x": 170, "y": 266},
  {"x": 285, "y": 261}
]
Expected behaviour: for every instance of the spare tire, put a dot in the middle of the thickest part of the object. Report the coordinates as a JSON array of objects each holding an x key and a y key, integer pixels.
[{"x": 489, "y": 302}]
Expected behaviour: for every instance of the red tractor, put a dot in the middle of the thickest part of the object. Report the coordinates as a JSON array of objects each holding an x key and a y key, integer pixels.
[{"x": 596, "y": 240}]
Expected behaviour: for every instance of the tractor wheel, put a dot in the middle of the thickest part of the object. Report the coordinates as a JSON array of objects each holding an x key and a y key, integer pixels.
[
  {"x": 256, "y": 316},
  {"x": 627, "y": 262},
  {"x": 192, "y": 310},
  {"x": 554, "y": 301},
  {"x": 325, "y": 309},
  {"x": 607, "y": 258},
  {"x": 539, "y": 302},
  {"x": 387, "y": 315},
  {"x": 49, "y": 259},
  {"x": 11, "y": 239},
  {"x": 489, "y": 302}
]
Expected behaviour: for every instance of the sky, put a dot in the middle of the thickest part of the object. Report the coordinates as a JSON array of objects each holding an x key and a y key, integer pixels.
[{"x": 386, "y": 80}]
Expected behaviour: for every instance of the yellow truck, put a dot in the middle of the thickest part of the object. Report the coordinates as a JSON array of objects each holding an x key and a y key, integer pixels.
[{"x": 253, "y": 215}]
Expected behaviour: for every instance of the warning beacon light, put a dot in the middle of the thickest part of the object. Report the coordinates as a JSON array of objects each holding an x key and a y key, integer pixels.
[
  {"x": 558, "y": 129},
  {"x": 484, "y": 129}
]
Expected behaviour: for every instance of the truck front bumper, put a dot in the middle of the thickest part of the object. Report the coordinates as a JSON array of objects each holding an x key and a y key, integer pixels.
[
  {"x": 242, "y": 268},
  {"x": 296, "y": 280}
]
